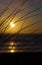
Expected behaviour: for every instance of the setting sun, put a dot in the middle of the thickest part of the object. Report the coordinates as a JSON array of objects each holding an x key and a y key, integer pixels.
[{"x": 12, "y": 24}]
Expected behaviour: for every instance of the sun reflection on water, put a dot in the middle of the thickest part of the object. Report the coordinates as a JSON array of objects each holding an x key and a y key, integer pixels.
[
  {"x": 12, "y": 47},
  {"x": 12, "y": 51},
  {"x": 12, "y": 43}
]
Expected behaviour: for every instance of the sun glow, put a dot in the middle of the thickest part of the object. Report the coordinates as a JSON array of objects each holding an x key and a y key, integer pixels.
[{"x": 12, "y": 24}]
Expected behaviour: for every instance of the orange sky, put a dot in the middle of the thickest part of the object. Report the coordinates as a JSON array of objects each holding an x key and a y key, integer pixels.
[{"x": 29, "y": 6}]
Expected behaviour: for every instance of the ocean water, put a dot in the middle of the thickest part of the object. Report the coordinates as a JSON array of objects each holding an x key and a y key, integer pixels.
[{"x": 20, "y": 43}]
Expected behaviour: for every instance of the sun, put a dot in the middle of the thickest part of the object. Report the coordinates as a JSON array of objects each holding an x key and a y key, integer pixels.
[{"x": 12, "y": 24}]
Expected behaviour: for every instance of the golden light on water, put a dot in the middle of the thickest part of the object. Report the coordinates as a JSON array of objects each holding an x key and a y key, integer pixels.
[
  {"x": 12, "y": 47},
  {"x": 12, "y": 43},
  {"x": 12, "y": 51}
]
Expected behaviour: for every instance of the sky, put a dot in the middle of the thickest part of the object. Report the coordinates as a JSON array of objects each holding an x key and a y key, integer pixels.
[{"x": 27, "y": 23}]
